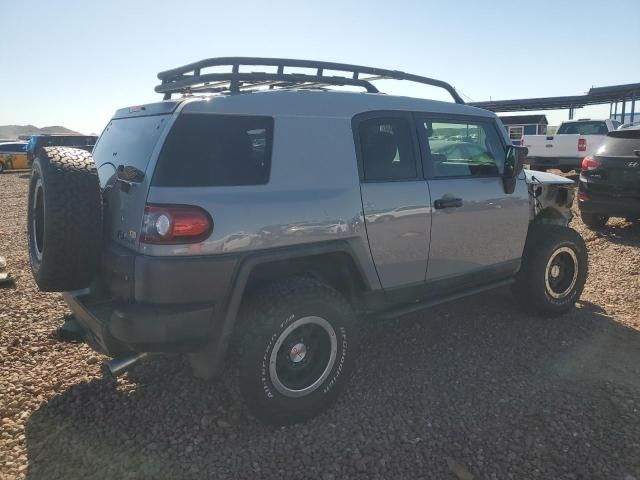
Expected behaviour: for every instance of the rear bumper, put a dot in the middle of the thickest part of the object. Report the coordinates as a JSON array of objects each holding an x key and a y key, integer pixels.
[
  {"x": 116, "y": 329},
  {"x": 609, "y": 205},
  {"x": 555, "y": 162},
  {"x": 154, "y": 304}
]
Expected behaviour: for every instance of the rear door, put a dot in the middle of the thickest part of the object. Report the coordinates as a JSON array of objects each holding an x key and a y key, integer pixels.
[
  {"x": 395, "y": 197},
  {"x": 477, "y": 230},
  {"x": 122, "y": 155}
]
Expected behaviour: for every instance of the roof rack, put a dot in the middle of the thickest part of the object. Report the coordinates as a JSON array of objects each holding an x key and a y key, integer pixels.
[{"x": 190, "y": 79}]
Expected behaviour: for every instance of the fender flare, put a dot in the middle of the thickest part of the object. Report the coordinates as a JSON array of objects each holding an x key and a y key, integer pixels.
[{"x": 220, "y": 337}]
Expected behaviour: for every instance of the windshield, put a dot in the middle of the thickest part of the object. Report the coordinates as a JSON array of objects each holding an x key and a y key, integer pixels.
[{"x": 583, "y": 128}]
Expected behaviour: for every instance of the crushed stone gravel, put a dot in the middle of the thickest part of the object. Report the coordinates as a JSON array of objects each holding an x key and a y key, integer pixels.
[{"x": 473, "y": 389}]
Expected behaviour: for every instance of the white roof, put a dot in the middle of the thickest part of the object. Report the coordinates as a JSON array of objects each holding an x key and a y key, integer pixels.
[{"x": 330, "y": 103}]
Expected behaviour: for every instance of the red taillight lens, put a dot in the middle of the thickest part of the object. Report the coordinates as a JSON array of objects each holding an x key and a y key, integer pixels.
[
  {"x": 175, "y": 224},
  {"x": 582, "y": 144},
  {"x": 582, "y": 197},
  {"x": 590, "y": 163}
]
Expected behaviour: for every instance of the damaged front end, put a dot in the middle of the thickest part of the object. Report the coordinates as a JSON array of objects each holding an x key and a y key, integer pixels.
[{"x": 551, "y": 197}]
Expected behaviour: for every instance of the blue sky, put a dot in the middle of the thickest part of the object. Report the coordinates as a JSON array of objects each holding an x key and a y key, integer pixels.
[{"x": 73, "y": 63}]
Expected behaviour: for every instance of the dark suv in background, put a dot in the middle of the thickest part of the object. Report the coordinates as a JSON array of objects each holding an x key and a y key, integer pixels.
[{"x": 610, "y": 179}]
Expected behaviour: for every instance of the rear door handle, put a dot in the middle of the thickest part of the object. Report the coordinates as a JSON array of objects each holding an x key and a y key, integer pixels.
[{"x": 447, "y": 203}]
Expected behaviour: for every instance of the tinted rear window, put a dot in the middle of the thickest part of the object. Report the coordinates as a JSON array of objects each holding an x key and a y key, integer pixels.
[
  {"x": 626, "y": 133},
  {"x": 621, "y": 143},
  {"x": 583, "y": 128},
  {"x": 216, "y": 150},
  {"x": 129, "y": 141}
]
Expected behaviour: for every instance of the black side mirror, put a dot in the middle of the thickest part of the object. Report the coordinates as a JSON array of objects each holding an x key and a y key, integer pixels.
[{"x": 513, "y": 166}]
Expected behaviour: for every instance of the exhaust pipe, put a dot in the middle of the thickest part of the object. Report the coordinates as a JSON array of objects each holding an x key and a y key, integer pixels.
[{"x": 118, "y": 366}]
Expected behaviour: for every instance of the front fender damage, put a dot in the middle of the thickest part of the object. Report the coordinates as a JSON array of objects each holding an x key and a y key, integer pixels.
[{"x": 551, "y": 198}]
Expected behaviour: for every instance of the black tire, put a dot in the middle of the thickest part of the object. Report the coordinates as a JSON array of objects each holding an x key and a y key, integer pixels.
[
  {"x": 539, "y": 284},
  {"x": 593, "y": 221},
  {"x": 273, "y": 375},
  {"x": 2, "y": 167},
  {"x": 64, "y": 219}
]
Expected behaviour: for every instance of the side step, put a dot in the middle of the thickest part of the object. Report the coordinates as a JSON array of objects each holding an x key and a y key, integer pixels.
[{"x": 421, "y": 305}]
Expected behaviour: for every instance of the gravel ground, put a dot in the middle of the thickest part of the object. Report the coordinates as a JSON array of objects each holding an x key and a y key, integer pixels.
[{"x": 474, "y": 389}]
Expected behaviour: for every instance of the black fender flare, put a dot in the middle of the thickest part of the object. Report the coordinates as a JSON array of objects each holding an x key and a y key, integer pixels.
[{"x": 221, "y": 332}]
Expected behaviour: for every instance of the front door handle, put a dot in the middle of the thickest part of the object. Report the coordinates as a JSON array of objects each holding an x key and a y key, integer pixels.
[{"x": 447, "y": 202}]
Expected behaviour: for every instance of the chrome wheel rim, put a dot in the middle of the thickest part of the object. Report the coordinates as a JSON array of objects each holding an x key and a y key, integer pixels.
[
  {"x": 303, "y": 356},
  {"x": 38, "y": 219},
  {"x": 561, "y": 273}
]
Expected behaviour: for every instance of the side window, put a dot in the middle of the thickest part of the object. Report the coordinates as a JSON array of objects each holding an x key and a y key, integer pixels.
[
  {"x": 209, "y": 150},
  {"x": 463, "y": 149},
  {"x": 13, "y": 148},
  {"x": 387, "y": 150}
]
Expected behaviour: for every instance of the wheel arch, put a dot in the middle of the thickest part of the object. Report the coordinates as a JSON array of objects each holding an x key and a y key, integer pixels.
[
  {"x": 553, "y": 216},
  {"x": 334, "y": 262}
]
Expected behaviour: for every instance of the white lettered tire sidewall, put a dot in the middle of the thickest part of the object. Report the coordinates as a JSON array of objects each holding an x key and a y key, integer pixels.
[
  {"x": 262, "y": 331},
  {"x": 336, "y": 369}
]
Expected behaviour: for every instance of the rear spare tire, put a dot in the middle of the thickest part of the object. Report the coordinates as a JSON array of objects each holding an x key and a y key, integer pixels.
[{"x": 64, "y": 219}]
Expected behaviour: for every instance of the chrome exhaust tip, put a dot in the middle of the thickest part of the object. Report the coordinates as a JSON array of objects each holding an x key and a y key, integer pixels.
[{"x": 118, "y": 366}]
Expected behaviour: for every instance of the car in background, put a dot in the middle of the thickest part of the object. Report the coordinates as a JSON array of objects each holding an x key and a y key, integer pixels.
[
  {"x": 629, "y": 125},
  {"x": 13, "y": 156},
  {"x": 36, "y": 142},
  {"x": 609, "y": 184},
  {"x": 565, "y": 150}
]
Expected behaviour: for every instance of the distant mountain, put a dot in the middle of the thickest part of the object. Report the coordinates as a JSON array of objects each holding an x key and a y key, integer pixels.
[{"x": 14, "y": 131}]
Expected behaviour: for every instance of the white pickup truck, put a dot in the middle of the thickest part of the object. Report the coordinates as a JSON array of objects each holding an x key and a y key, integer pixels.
[{"x": 565, "y": 150}]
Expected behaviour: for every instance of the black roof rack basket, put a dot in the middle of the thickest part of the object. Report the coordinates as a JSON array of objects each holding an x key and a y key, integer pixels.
[{"x": 189, "y": 79}]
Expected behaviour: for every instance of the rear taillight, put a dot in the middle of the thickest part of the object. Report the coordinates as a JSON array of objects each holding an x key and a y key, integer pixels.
[
  {"x": 582, "y": 197},
  {"x": 582, "y": 144},
  {"x": 175, "y": 224},
  {"x": 590, "y": 163}
]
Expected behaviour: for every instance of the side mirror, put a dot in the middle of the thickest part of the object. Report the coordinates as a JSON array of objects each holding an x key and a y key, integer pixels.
[
  {"x": 514, "y": 161},
  {"x": 513, "y": 166}
]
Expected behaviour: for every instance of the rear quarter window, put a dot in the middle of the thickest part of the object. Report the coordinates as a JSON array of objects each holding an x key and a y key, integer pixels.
[{"x": 209, "y": 150}]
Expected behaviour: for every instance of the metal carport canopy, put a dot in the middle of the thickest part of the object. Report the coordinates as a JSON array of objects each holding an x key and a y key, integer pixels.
[{"x": 595, "y": 96}]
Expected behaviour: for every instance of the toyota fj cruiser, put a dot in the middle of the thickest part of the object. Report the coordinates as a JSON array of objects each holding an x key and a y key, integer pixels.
[{"x": 272, "y": 211}]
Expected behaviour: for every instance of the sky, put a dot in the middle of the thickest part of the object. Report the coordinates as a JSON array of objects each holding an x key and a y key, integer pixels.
[{"x": 73, "y": 63}]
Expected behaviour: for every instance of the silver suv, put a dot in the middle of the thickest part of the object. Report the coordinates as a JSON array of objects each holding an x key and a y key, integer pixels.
[{"x": 271, "y": 212}]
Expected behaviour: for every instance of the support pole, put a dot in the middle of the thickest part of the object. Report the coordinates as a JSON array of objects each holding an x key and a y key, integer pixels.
[{"x": 624, "y": 104}]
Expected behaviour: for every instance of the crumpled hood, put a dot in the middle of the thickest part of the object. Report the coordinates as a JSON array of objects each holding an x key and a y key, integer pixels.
[{"x": 535, "y": 178}]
